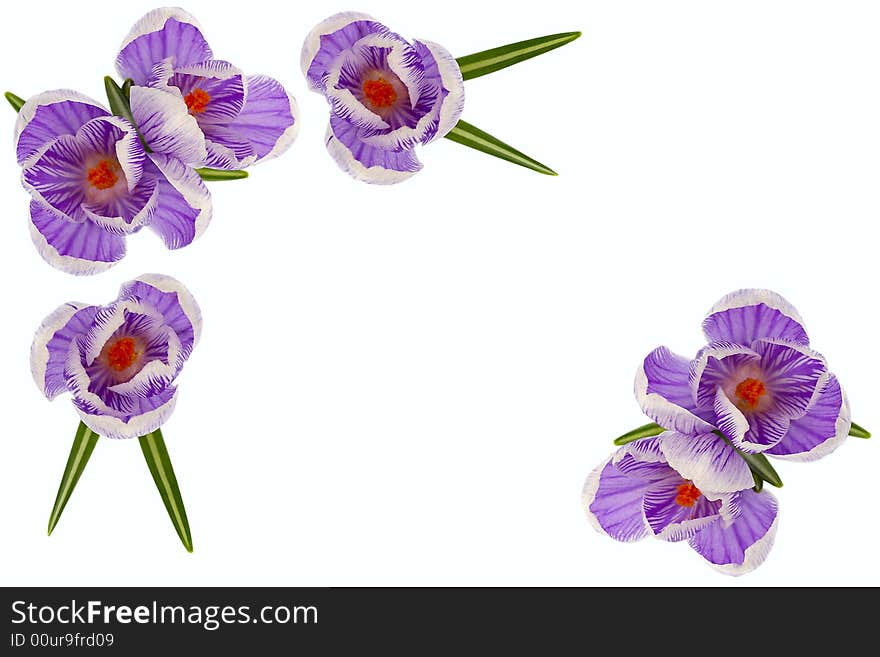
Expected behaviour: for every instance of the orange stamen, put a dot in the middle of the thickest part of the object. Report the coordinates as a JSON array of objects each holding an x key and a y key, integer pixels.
[
  {"x": 122, "y": 354},
  {"x": 688, "y": 494},
  {"x": 750, "y": 391},
  {"x": 103, "y": 174},
  {"x": 380, "y": 92},
  {"x": 197, "y": 101}
]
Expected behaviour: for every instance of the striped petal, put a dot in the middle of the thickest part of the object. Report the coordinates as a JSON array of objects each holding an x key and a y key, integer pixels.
[
  {"x": 440, "y": 64},
  {"x": 167, "y": 126},
  {"x": 748, "y": 315},
  {"x": 331, "y": 37},
  {"x": 740, "y": 546},
  {"x": 170, "y": 298},
  {"x": 164, "y": 33},
  {"x": 663, "y": 392},
  {"x": 184, "y": 207},
  {"x": 49, "y": 115},
  {"x": 820, "y": 431},
  {"x": 708, "y": 461},
  {"x": 52, "y": 342},
  {"x": 364, "y": 162},
  {"x": 80, "y": 248}
]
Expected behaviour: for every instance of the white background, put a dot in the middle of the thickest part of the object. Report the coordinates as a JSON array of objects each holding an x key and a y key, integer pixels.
[{"x": 408, "y": 385}]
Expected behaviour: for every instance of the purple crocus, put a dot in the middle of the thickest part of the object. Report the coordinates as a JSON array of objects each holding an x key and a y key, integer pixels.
[
  {"x": 757, "y": 382},
  {"x": 92, "y": 182},
  {"x": 119, "y": 361},
  {"x": 386, "y": 95},
  {"x": 245, "y": 118},
  {"x": 636, "y": 494}
]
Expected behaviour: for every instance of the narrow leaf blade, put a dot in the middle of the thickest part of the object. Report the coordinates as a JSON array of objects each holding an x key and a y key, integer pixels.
[
  {"x": 469, "y": 135},
  {"x": 17, "y": 102},
  {"x": 156, "y": 455},
  {"x": 859, "y": 432},
  {"x": 118, "y": 102},
  {"x": 220, "y": 174},
  {"x": 83, "y": 445},
  {"x": 495, "y": 59},
  {"x": 644, "y": 431},
  {"x": 759, "y": 483},
  {"x": 126, "y": 89},
  {"x": 760, "y": 467}
]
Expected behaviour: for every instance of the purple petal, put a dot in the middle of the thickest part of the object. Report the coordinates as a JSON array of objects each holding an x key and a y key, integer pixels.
[
  {"x": 671, "y": 521},
  {"x": 76, "y": 248},
  {"x": 441, "y": 65},
  {"x": 715, "y": 366},
  {"x": 126, "y": 214},
  {"x": 663, "y": 392},
  {"x": 613, "y": 503},
  {"x": 160, "y": 34},
  {"x": 748, "y": 315},
  {"x": 184, "y": 205},
  {"x": 331, "y": 37},
  {"x": 223, "y": 83},
  {"x": 740, "y": 546},
  {"x": 145, "y": 415},
  {"x": 49, "y": 115},
  {"x": 52, "y": 342},
  {"x": 267, "y": 123},
  {"x": 708, "y": 461},
  {"x": 821, "y": 430},
  {"x": 364, "y": 162},
  {"x": 173, "y": 301},
  {"x": 732, "y": 423},
  {"x": 793, "y": 375},
  {"x": 167, "y": 126}
]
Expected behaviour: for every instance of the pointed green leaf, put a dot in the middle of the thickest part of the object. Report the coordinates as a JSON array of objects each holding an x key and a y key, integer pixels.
[
  {"x": 645, "y": 431},
  {"x": 126, "y": 89},
  {"x": 859, "y": 432},
  {"x": 759, "y": 483},
  {"x": 118, "y": 102},
  {"x": 469, "y": 135},
  {"x": 83, "y": 445},
  {"x": 156, "y": 454},
  {"x": 220, "y": 174},
  {"x": 489, "y": 61},
  {"x": 16, "y": 101},
  {"x": 760, "y": 467}
]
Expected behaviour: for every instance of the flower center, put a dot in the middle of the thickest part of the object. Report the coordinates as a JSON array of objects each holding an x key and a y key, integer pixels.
[
  {"x": 749, "y": 391},
  {"x": 687, "y": 495},
  {"x": 122, "y": 354},
  {"x": 103, "y": 174},
  {"x": 197, "y": 100},
  {"x": 380, "y": 92}
]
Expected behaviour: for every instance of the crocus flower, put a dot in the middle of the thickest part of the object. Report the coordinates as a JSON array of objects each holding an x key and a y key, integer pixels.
[
  {"x": 92, "y": 182},
  {"x": 245, "y": 118},
  {"x": 757, "y": 382},
  {"x": 636, "y": 494},
  {"x": 386, "y": 95},
  {"x": 119, "y": 361}
]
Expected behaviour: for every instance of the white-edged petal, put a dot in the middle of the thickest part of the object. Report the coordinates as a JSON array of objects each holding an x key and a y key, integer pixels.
[
  {"x": 113, "y": 427},
  {"x": 312, "y": 43},
  {"x": 56, "y": 321},
  {"x": 185, "y": 298},
  {"x": 450, "y": 75}
]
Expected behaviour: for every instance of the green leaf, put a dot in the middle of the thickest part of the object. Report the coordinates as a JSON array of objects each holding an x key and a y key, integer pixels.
[
  {"x": 220, "y": 174},
  {"x": 156, "y": 454},
  {"x": 489, "y": 61},
  {"x": 471, "y": 136},
  {"x": 118, "y": 102},
  {"x": 645, "y": 431},
  {"x": 16, "y": 101},
  {"x": 760, "y": 467},
  {"x": 759, "y": 483},
  {"x": 83, "y": 445},
  {"x": 126, "y": 89},
  {"x": 859, "y": 432}
]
